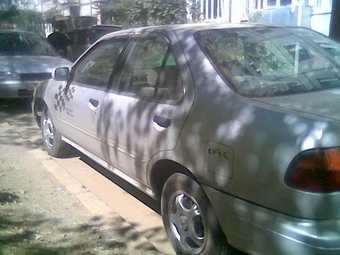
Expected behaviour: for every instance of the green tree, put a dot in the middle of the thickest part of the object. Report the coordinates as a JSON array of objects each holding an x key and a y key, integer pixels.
[
  {"x": 135, "y": 13},
  {"x": 12, "y": 16},
  {"x": 116, "y": 12},
  {"x": 163, "y": 12},
  {"x": 139, "y": 12},
  {"x": 51, "y": 13}
]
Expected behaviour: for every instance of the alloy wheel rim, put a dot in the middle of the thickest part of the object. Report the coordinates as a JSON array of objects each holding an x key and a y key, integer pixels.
[
  {"x": 186, "y": 223},
  {"x": 48, "y": 132}
]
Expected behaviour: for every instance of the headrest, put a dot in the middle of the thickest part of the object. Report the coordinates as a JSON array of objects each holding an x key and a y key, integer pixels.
[{"x": 152, "y": 77}]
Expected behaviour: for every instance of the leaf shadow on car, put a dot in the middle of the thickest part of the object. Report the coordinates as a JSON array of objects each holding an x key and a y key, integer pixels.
[{"x": 6, "y": 197}]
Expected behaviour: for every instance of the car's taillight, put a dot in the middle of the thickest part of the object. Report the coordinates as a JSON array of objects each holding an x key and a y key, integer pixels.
[{"x": 316, "y": 170}]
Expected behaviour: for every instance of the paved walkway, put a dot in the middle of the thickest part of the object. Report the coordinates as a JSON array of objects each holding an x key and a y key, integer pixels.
[{"x": 43, "y": 210}]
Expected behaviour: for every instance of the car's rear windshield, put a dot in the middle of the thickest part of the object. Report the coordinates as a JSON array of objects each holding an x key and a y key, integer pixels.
[
  {"x": 25, "y": 44},
  {"x": 273, "y": 61}
]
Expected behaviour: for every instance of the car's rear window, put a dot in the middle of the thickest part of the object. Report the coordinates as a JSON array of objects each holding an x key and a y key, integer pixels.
[
  {"x": 25, "y": 44},
  {"x": 268, "y": 61}
]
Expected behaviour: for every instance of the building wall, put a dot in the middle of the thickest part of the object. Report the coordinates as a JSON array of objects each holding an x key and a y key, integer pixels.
[
  {"x": 233, "y": 11},
  {"x": 314, "y": 14},
  {"x": 224, "y": 10}
]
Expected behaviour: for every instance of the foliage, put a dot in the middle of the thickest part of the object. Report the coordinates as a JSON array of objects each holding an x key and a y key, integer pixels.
[
  {"x": 134, "y": 13},
  {"x": 139, "y": 13},
  {"x": 167, "y": 12},
  {"x": 115, "y": 12},
  {"x": 51, "y": 13},
  {"x": 13, "y": 17}
]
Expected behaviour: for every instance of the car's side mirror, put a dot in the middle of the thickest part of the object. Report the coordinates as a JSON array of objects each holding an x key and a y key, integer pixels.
[{"x": 61, "y": 74}]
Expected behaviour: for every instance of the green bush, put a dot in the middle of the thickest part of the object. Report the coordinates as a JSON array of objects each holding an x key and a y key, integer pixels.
[{"x": 29, "y": 20}]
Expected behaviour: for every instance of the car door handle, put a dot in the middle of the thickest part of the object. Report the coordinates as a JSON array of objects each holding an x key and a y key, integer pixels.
[
  {"x": 93, "y": 103},
  {"x": 161, "y": 121}
]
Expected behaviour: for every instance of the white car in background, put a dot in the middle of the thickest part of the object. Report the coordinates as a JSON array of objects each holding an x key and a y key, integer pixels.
[{"x": 235, "y": 128}]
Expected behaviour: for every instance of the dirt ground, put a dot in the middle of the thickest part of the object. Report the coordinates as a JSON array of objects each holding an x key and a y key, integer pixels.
[{"x": 40, "y": 216}]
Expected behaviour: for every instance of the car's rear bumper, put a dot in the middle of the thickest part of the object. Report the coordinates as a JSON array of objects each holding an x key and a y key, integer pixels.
[
  {"x": 258, "y": 230},
  {"x": 17, "y": 89}
]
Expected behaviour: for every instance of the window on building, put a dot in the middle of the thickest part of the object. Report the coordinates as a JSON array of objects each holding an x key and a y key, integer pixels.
[
  {"x": 323, "y": 4},
  {"x": 285, "y": 2},
  {"x": 271, "y": 2},
  {"x": 213, "y": 9},
  {"x": 274, "y": 3}
]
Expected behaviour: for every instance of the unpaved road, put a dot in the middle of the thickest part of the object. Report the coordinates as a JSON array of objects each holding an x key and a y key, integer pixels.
[{"x": 64, "y": 206}]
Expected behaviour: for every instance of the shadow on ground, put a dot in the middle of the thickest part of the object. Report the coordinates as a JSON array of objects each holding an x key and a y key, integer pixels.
[
  {"x": 17, "y": 113},
  {"x": 28, "y": 231},
  {"x": 24, "y": 232},
  {"x": 22, "y": 125},
  {"x": 147, "y": 200}
]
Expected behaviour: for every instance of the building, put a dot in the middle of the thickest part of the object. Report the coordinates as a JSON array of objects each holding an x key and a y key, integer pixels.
[{"x": 315, "y": 14}]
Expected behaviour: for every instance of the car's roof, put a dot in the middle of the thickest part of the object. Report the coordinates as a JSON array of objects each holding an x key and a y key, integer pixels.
[
  {"x": 202, "y": 26},
  {"x": 190, "y": 28},
  {"x": 205, "y": 26}
]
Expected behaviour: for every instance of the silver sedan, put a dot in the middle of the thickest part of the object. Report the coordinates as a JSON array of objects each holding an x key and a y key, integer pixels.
[
  {"x": 26, "y": 59},
  {"x": 233, "y": 128}
]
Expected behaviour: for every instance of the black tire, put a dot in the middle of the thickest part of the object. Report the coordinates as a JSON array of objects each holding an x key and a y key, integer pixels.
[
  {"x": 53, "y": 143},
  {"x": 189, "y": 220}
]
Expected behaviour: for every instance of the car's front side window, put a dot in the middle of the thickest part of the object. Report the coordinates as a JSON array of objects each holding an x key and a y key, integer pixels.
[
  {"x": 96, "y": 67},
  {"x": 150, "y": 71},
  {"x": 265, "y": 62}
]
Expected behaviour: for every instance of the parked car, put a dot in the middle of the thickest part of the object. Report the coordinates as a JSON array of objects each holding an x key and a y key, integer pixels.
[
  {"x": 83, "y": 37},
  {"x": 233, "y": 127},
  {"x": 26, "y": 59}
]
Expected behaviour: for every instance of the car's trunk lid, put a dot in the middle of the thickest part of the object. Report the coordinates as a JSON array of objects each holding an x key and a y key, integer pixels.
[{"x": 324, "y": 104}]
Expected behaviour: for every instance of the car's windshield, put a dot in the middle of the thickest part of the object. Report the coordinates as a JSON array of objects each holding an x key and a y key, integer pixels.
[
  {"x": 265, "y": 62},
  {"x": 24, "y": 44}
]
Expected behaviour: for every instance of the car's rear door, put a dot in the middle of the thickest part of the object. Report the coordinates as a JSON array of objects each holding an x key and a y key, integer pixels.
[{"x": 146, "y": 111}]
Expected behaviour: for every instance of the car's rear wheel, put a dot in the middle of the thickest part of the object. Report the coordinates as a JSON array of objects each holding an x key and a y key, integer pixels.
[
  {"x": 189, "y": 219},
  {"x": 53, "y": 143}
]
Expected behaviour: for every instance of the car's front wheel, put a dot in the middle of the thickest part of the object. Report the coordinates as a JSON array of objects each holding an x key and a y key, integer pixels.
[
  {"x": 53, "y": 143},
  {"x": 189, "y": 219}
]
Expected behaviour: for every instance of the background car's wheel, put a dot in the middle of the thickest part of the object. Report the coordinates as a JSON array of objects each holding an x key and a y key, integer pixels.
[
  {"x": 53, "y": 143},
  {"x": 189, "y": 220}
]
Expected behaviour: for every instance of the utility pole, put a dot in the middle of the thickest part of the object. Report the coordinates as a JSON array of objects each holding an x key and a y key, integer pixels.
[{"x": 334, "y": 29}]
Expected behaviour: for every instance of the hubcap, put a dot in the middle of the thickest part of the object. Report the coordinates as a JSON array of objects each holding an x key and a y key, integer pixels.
[
  {"x": 48, "y": 132},
  {"x": 186, "y": 223}
]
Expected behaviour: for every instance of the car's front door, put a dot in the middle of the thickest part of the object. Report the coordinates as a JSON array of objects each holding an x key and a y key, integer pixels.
[
  {"x": 85, "y": 94},
  {"x": 145, "y": 113}
]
